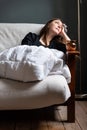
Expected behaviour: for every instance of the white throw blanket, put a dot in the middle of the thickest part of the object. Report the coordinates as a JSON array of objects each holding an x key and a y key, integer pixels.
[{"x": 32, "y": 63}]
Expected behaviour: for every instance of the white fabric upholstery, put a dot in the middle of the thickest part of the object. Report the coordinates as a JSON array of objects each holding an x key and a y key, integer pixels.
[
  {"x": 11, "y": 34},
  {"x": 18, "y": 95}
]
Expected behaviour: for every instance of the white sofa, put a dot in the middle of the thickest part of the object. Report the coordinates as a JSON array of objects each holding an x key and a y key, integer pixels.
[
  {"x": 53, "y": 90},
  {"x": 16, "y": 95}
]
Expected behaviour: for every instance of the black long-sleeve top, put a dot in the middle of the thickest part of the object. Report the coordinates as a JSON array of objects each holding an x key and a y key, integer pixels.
[{"x": 32, "y": 39}]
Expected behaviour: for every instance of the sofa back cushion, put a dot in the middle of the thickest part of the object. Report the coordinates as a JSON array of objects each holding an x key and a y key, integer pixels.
[{"x": 11, "y": 34}]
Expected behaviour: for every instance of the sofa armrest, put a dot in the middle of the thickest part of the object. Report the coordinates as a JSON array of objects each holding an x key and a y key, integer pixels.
[{"x": 71, "y": 61}]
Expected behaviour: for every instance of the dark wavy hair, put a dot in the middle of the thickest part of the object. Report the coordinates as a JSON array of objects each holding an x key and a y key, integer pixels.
[{"x": 45, "y": 29}]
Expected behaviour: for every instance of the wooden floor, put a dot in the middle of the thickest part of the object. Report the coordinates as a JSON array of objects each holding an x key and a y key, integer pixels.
[{"x": 49, "y": 119}]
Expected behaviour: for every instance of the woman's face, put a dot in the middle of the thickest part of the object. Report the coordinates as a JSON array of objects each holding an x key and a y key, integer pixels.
[{"x": 55, "y": 27}]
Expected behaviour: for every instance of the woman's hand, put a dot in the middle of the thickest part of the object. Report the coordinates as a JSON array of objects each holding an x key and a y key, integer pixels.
[{"x": 64, "y": 35}]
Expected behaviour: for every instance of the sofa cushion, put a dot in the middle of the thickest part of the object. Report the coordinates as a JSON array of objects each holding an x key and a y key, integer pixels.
[{"x": 18, "y": 95}]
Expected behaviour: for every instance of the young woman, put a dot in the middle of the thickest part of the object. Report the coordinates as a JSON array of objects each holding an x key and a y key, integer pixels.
[{"x": 52, "y": 35}]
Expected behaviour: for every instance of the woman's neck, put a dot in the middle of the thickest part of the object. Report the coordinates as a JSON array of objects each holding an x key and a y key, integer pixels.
[{"x": 46, "y": 39}]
